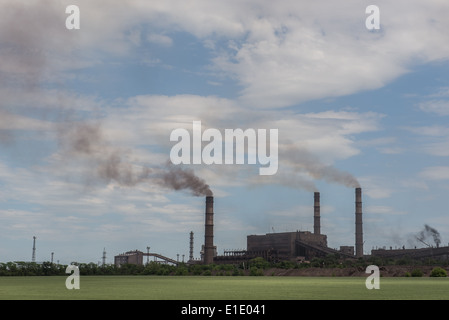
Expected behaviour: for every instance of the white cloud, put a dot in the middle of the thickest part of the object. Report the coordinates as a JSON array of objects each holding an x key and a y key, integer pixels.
[
  {"x": 325, "y": 136},
  {"x": 391, "y": 150},
  {"x": 440, "y": 107},
  {"x": 435, "y": 139},
  {"x": 439, "y": 148},
  {"x": 435, "y": 173},
  {"x": 376, "y": 187},
  {"x": 440, "y": 92},
  {"x": 160, "y": 39},
  {"x": 434, "y": 131},
  {"x": 414, "y": 183},
  {"x": 281, "y": 54},
  {"x": 383, "y": 210},
  {"x": 293, "y": 54}
]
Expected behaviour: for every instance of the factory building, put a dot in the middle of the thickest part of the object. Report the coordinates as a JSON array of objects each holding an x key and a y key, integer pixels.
[
  {"x": 286, "y": 245},
  {"x": 282, "y": 246},
  {"x": 130, "y": 257},
  {"x": 136, "y": 257},
  {"x": 299, "y": 245},
  {"x": 441, "y": 253}
]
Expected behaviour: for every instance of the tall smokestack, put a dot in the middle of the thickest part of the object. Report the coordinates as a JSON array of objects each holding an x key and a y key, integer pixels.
[
  {"x": 191, "y": 246},
  {"x": 316, "y": 214},
  {"x": 209, "y": 231},
  {"x": 33, "y": 256},
  {"x": 358, "y": 223}
]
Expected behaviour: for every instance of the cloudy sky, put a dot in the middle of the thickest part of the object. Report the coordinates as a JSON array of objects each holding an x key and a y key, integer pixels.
[{"x": 86, "y": 117}]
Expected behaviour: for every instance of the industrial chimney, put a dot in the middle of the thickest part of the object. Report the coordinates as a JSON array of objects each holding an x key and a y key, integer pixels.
[
  {"x": 316, "y": 214},
  {"x": 33, "y": 256},
  {"x": 358, "y": 223},
  {"x": 191, "y": 246},
  {"x": 209, "y": 231}
]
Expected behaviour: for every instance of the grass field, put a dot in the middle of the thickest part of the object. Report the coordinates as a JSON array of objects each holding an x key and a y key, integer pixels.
[{"x": 222, "y": 288}]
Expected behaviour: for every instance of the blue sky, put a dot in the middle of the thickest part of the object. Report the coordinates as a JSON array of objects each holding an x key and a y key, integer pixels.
[{"x": 374, "y": 104}]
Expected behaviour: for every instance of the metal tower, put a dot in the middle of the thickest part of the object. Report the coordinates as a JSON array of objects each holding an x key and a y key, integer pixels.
[
  {"x": 33, "y": 257},
  {"x": 104, "y": 256}
]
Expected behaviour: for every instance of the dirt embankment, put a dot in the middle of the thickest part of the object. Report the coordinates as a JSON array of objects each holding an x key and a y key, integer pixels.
[{"x": 386, "y": 271}]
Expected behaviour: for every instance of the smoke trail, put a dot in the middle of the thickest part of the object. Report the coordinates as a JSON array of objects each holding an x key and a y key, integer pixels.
[
  {"x": 303, "y": 161},
  {"x": 86, "y": 141},
  {"x": 178, "y": 178},
  {"x": 285, "y": 179},
  {"x": 7, "y": 121},
  {"x": 31, "y": 36},
  {"x": 429, "y": 232},
  {"x": 26, "y": 32}
]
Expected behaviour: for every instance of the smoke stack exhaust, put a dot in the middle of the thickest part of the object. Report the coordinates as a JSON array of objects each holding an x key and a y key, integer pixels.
[
  {"x": 209, "y": 231},
  {"x": 191, "y": 246},
  {"x": 316, "y": 214},
  {"x": 358, "y": 223},
  {"x": 33, "y": 256}
]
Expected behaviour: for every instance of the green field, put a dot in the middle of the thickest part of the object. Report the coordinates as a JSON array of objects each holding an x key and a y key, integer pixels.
[{"x": 222, "y": 288}]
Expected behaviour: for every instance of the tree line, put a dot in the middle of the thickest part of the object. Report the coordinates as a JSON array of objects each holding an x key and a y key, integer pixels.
[
  {"x": 20, "y": 268},
  {"x": 47, "y": 268},
  {"x": 252, "y": 267}
]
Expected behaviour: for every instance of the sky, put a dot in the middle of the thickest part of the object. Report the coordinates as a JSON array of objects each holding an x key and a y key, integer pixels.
[{"x": 86, "y": 116}]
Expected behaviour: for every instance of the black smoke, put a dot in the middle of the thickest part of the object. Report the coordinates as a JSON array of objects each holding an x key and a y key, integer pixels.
[
  {"x": 105, "y": 162},
  {"x": 304, "y": 161},
  {"x": 429, "y": 232}
]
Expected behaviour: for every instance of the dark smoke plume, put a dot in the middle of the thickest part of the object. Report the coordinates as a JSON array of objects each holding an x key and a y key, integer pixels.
[
  {"x": 27, "y": 32},
  {"x": 86, "y": 141},
  {"x": 303, "y": 161},
  {"x": 428, "y": 232},
  {"x": 29, "y": 38},
  {"x": 178, "y": 178}
]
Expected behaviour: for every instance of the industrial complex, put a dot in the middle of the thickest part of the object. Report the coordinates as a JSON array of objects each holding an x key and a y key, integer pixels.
[{"x": 291, "y": 246}]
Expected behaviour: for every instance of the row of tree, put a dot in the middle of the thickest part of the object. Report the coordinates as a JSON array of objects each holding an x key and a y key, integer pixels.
[
  {"x": 252, "y": 267},
  {"x": 152, "y": 268},
  {"x": 51, "y": 269}
]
